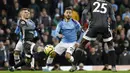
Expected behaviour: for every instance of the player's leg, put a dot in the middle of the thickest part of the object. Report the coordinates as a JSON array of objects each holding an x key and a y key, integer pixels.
[
  {"x": 59, "y": 49},
  {"x": 107, "y": 37},
  {"x": 69, "y": 52},
  {"x": 17, "y": 51},
  {"x": 89, "y": 35},
  {"x": 77, "y": 53},
  {"x": 112, "y": 55},
  {"x": 40, "y": 49},
  {"x": 32, "y": 48},
  {"x": 105, "y": 56},
  {"x": 26, "y": 60},
  {"x": 32, "y": 64},
  {"x": 17, "y": 57},
  {"x": 11, "y": 59},
  {"x": 50, "y": 59},
  {"x": 68, "y": 55},
  {"x": 21, "y": 63},
  {"x": 75, "y": 58}
]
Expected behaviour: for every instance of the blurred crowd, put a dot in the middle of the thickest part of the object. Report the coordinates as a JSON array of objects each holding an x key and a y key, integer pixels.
[{"x": 47, "y": 13}]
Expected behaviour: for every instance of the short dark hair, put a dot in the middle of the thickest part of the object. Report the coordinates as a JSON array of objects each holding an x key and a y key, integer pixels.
[{"x": 68, "y": 8}]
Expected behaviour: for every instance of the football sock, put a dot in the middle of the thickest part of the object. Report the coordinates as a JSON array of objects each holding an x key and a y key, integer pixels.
[
  {"x": 16, "y": 59},
  {"x": 21, "y": 63},
  {"x": 112, "y": 58},
  {"x": 11, "y": 59},
  {"x": 77, "y": 56},
  {"x": 49, "y": 61},
  {"x": 32, "y": 63}
]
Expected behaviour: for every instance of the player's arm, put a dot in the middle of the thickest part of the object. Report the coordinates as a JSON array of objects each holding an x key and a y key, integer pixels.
[
  {"x": 35, "y": 31},
  {"x": 78, "y": 26},
  {"x": 86, "y": 9},
  {"x": 17, "y": 30},
  {"x": 80, "y": 34},
  {"x": 58, "y": 28},
  {"x": 85, "y": 12},
  {"x": 79, "y": 30},
  {"x": 22, "y": 23},
  {"x": 112, "y": 15}
]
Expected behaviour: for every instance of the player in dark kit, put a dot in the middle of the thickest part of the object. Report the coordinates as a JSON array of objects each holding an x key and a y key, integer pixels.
[
  {"x": 26, "y": 30},
  {"x": 100, "y": 11}
]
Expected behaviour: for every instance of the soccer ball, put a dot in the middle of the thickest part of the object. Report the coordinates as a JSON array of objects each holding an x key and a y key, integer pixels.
[{"x": 48, "y": 49}]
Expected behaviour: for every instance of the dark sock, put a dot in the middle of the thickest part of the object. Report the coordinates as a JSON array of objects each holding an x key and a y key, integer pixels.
[
  {"x": 77, "y": 56},
  {"x": 104, "y": 55},
  {"x": 105, "y": 58},
  {"x": 11, "y": 59},
  {"x": 112, "y": 58},
  {"x": 21, "y": 63}
]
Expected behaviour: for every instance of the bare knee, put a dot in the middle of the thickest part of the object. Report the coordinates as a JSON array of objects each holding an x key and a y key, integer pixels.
[
  {"x": 67, "y": 55},
  {"x": 16, "y": 52}
]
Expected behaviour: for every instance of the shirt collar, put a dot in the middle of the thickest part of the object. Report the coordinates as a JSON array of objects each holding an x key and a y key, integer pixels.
[{"x": 68, "y": 20}]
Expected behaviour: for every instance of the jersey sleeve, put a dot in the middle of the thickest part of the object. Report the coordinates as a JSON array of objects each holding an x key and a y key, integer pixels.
[
  {"x": 87, "y": 8},
  {"x": 111, "y": 13},
  {"x": 22, "y": 23},
  {"x": 80, "y": 36},
  {"x": 77, "y": 25},
  {"x": 17, "y": 30},
  {"x": 58, "y": 28}
]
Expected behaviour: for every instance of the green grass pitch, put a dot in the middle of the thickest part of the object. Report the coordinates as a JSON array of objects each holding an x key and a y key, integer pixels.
[{"x": 65, "y": 72}]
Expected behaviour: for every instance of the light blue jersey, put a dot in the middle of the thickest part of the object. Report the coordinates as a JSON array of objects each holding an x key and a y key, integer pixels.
[{"x": 68, "y": 30}]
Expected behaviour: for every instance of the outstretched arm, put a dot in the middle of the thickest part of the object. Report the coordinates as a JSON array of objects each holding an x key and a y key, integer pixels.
[{"x": 86, "y": 9}]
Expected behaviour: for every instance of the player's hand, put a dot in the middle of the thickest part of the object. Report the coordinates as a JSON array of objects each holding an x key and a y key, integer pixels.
[
  {"x": 60, "y": 36},
  {"x": 76, "y": 45}
]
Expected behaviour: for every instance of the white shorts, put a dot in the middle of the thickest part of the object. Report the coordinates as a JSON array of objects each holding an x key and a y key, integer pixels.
[
  {"x": 19, "y": 46},
  {"x": 68, "y": 47}
]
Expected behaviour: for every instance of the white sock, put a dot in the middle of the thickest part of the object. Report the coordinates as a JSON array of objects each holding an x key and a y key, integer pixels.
[
  {"x": 13, "y": 67},
  {"x": 16, "y": 59},
  {"x": 49, "y": 60},
  {"x": 32, "y": 63},
  {"x": 71, "y": 59}
]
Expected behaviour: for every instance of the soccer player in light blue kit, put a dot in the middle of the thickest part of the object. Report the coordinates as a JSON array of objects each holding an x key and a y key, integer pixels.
[{"x": 68, "y": 28}]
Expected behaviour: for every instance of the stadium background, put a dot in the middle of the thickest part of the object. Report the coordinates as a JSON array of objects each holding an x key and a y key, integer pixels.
[{"x": 47, "y": 13}]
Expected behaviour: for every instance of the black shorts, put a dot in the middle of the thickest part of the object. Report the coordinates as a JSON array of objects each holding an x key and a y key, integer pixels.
[{"x": 92, "y": 33}]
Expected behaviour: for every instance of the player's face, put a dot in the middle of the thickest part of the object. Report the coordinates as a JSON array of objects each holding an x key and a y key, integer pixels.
[
  {"x": 68, "y": 14},
  {"x": 26, "y": 14}
]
